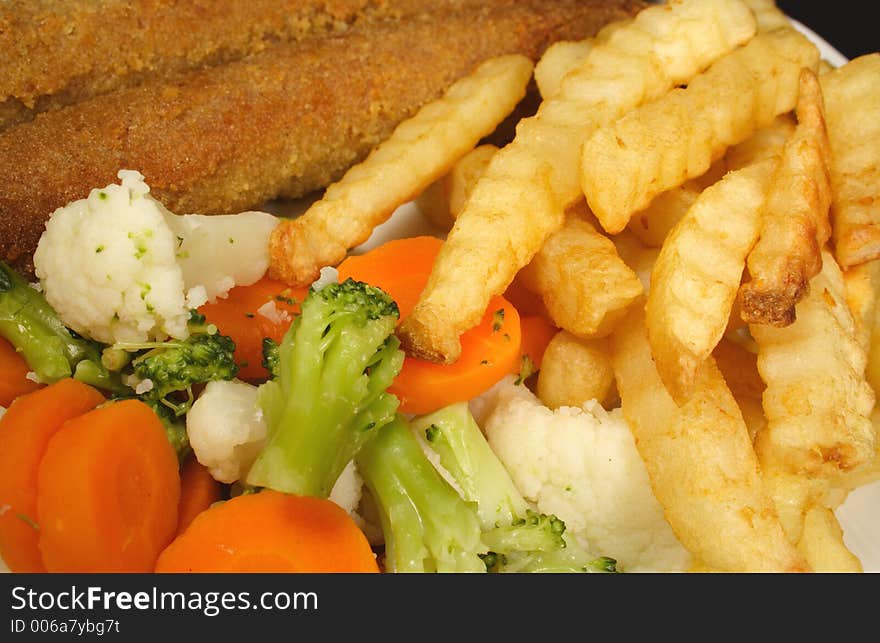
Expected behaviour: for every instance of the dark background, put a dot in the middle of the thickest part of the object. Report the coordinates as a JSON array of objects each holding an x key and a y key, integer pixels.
[{"x": 850, "y": 26}]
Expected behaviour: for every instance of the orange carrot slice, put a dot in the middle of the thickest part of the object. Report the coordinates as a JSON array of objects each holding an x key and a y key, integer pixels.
[
  {"x": 107, "y": 492},
  {"x": 489, "y": 351},
  {"x": 13, "y": 374},
  {"x": 25, "y": 431},
  {"x": 198, "y": 491},
  {"x": 270, "y": 531},
  {"x": 537, "y": 331},
  {"x": 250, "y": 313}
]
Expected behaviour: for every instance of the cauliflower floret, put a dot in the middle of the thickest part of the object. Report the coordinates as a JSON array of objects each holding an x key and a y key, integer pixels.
[
  {"x": 226, "y": 428},
  {"x": 217, "y": 252},
  {"x": 117, "y": 266},
  {"x": 582, "y": 465},
  {"x": 227, "y": 431}
]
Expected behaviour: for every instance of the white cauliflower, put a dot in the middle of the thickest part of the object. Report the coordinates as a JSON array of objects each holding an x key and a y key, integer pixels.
[
  {"x": 582, "y": 465},
  {"x": 117, "y": 266},
  {"x": 227, "y": 431}
]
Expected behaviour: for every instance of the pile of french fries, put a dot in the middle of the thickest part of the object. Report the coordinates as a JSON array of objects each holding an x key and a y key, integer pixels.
[{"x": 697, "y": 204}]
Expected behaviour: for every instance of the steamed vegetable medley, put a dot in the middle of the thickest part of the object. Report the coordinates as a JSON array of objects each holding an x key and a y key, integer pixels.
[{"x": 171, "y": 408}]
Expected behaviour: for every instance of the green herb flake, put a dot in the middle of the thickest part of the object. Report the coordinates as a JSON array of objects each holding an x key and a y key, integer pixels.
[
  {"x": 29, "y": 521},
  {"x": 99, "y": 249},
  {"x": 497, "y": 320}
]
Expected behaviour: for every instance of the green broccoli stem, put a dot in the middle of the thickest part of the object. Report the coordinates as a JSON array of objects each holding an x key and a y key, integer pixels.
[
  {"x": 455, "y": 436},
  {"x": 535, "y": 532},
  {"x": 428, "y": 527},
  {"x": 329, "y": 395},
  {"x": 570, "y": 559},
  {"x": 50, "y": 349},
  {"x": 310, "y": 446}
]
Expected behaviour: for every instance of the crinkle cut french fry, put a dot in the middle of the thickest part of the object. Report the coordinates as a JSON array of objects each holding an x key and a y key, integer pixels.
[
  {"x": 819, "y": 436},
  {"x": 521, "y": 199},
  {"x": 862, "y": 295},
  {"x": 700, "y": 461},
  {"x": 420, "y": 150},
  {"x": 766, "y": 142},
  {"x": 442, "y": 201},
  {"x": 822, "y": 543},
  {"x": 661, "y": 144},
  {"x": 586, "y": 287},
  {"x": 852, "y": 103},
  {"x": 817, "y": 400},
  {"x": 559, "y": 59},
  {"x": 698, "y": 273},
  {"x": 795, "y": 222},
  {"x": 768, "y": 15},
  {"x": 652, "y": 224}
]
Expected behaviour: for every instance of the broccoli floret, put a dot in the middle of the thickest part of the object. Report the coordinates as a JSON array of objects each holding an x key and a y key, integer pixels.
[
  {"x": 174, "y": 367},
  {"x": 518, "y": 538},
  {"x": 171, "y": 369},
  {"x": 329, "y": 395},
  {"x": 427, "y": 526},
  {"x": 50, "y": 349}
]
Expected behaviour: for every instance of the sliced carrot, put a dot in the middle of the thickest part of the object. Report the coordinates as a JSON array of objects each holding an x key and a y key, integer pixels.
[
  {"x": 250, "y": 313},
  {"x": 526, "y": 301},
  {"x": 489, "y": 351},
  {"x": 13, "y": 374},
  {"x": 107, "y": 492},
  {"x": 537, "y": 331},
  {"x": 198, "y": 491},
  {"x": 25, "y": 430},
  {"x": 270, "y": 531}
]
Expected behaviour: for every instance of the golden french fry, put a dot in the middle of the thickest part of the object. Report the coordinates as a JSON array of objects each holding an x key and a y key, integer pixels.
[
  {"x": 872, "y": 370},
  {"x": 639, "y": 257},
  {"x": 795, "y": 224},
  {"x": 739, "y": 366},
  {"x": 521, "y": 200},
  {"x": 767, "y": 142},
  {"x": 852, "y": 103},
  {"x": 653, "y": 224},
  {"x": 768, "y": 15},
  {"x": 560, "y": 58},
  {"x": 817, "y": 400},
  {"x": 822, "y": 543},
  {"x": 661, "y": 144},
  {"x": 574, "y": 371},
  {"x": 586, "y": 287},
  {"x": 444, "y": 198},
  {"x": 698, "y": 273},
  {"x": 862, "y": 295},
  {"x": 700, "y": 461},
  {"x": 753, "y": 414},
  {"x": 420, "y": 150}
]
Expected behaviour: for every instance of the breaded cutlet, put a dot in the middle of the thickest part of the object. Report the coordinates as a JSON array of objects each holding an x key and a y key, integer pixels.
[{"x": 283, "y": 122}]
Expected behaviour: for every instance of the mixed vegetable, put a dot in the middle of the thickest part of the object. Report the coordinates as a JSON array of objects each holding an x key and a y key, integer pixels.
[{"x": 280, "y": 429}]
